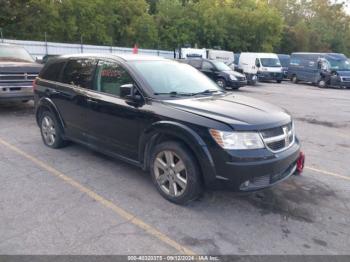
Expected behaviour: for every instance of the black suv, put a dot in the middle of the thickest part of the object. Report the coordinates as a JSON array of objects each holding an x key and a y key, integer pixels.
[
  {"x": 219, "y": 72},
  {"x": 166, "y": 117}
]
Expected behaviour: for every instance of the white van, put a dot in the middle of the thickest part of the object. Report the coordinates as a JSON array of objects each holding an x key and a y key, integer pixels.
[
  {"x": 193, "y": 53},
  {"x": 265, "y": 66},
  {"x": 224, "y": 56}
]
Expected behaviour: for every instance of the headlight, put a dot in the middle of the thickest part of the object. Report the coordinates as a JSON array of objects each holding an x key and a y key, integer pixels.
[
  {"x": 237, "y": 140},
  {"x": 232, "y": 77}
]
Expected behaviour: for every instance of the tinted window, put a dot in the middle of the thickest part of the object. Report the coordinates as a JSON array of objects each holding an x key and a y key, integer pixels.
[
  {"x": 79, "y": 72},
  {"x": 207, "y": 66},
  {"x": 110, "y": 77},
  {"x": 195, "y": 63},
  {"x": 52, "y": 71}
]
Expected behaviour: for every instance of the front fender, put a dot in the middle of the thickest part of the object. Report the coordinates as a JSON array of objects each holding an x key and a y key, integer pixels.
[{"x": 183, "y": 133}]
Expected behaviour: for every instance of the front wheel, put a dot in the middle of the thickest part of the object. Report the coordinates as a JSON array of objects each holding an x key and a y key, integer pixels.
[
  {"x": 221, "y": 82},
  {"x": 322, "y": 83},
  {"x": 294, "y": 79},
  {"x": 175, "y": 172}
]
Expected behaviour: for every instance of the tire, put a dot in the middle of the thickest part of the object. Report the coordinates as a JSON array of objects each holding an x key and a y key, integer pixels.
[
  {"x": 279, "y": 81},
  {"x": 25, "y": 101},
  {"x": 221, "y": 82},
  {"x": 322, "y": 83},
  {"x": 51, "y": 132},
  {"x": 294, "y": 79},
  {"x": 175, "y": 172}
]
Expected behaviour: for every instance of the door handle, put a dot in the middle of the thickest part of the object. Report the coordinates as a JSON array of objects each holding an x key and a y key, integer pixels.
[
  {"x": 91, "y": 101},
  {"x": 52, "y": 92}
]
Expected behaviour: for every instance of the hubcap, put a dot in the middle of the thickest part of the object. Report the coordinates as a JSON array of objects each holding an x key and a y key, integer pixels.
[
  {"x": 171, "y": 173},
  {"x": 220, "y": 83},
  {"x": 48, "y": 130},
  {"x": 322, "y": 83}
]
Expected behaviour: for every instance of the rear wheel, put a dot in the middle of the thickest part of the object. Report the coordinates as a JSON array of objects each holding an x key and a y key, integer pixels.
[
  {"x": 175, "y": 172},
  {"x": 294, "y": 79},
  {"x": 50, "y": 130}
]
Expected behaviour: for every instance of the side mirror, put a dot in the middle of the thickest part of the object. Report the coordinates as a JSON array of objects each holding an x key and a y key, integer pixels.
[{"x": 128, "y": 92}]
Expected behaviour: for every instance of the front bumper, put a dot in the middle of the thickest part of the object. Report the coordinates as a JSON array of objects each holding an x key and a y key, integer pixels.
[
  {"x": 237, "y": 83},
  {"x": 249, "y": 171},
  {"x": 16, "y": 92},
  {"x": 268, "y": 76}
]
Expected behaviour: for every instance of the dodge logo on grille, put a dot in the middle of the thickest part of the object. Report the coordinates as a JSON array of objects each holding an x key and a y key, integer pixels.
[{"x": 286, "y": 136}]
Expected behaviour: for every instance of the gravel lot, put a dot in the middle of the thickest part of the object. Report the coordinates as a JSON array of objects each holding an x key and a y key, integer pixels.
[{"x": 71, "y": 201}]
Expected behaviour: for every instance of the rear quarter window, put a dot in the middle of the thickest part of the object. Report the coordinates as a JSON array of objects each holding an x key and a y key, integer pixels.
[{"x": 52, "y": 71}]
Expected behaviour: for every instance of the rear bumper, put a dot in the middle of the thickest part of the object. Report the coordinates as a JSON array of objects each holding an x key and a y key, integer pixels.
[
  {"x": 249, "y": 171},
  {"x": 16, "y": 92}
]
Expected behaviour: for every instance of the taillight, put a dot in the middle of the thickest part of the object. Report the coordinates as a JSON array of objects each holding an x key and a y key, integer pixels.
[{"x": 34, "y": 84}]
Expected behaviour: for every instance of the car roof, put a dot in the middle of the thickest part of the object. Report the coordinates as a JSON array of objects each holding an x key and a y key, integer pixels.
[{"x": 123, "y": 57}]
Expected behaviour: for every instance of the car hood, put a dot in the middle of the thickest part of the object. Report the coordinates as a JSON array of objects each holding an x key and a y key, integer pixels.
[
  {"x": 19, "y": 67},
  {"x": 240, "y": 112},
  {"x": 234, "y": 73}
]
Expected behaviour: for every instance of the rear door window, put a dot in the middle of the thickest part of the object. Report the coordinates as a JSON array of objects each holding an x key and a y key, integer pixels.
[
  {"x": 80, "y": 72},
  {"x": 195, "y": 63},
  {"x": 110, "y": 76},
  {"x": 207, "y": 66}
]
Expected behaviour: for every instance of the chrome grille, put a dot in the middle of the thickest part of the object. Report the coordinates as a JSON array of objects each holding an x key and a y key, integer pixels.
[
  {"x": 17, "y": 77},
  {"x": 279, "y": 138}
]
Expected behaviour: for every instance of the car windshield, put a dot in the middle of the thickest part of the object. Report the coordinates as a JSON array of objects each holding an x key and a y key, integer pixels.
[
  {"x": 270, "y": 62},
  {"x": 170, "y": 77},
  {"x": 221, "y": 66},
  {"x": 11, "y": 53},
  {"x": 341, "y": 65}
]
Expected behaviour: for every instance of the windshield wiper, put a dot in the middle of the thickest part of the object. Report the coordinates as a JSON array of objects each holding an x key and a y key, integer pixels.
[
  {"x": 174, "y": 93},
  {"x": 207, "y": 92}
]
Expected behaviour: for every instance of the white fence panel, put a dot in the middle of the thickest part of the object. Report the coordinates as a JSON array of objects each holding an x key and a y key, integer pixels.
[{"x": 39, "y": 49}]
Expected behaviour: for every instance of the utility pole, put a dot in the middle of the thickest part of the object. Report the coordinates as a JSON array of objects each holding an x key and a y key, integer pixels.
[
  {"x": 1, "y": 35},
  {"x": 46, "y": 47},
  {"x": 81, "y": 44}
]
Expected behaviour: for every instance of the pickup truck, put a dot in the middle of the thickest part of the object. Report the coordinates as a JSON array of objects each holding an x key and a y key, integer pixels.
[{"x": 17, "y": 72}]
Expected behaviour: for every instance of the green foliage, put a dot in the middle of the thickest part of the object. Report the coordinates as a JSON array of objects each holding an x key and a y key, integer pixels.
[{"x": 238, "y": 25}]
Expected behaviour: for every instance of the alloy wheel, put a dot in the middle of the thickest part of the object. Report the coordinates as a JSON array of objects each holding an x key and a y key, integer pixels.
[
  {"x": 48, "y": 130},
  {"x": 220, "y": 83},
  {"x": 170, "y": 173}
]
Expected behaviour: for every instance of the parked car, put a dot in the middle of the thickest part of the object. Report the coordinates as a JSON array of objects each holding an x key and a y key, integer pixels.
[
  {"x": 17, "y": 72},
  {"x": 322, "y": 69},
  {"x": 285, "y": 60},
  {"x": 168, "y": 118},
  {"x": 266, "y": 66},
  {"x": 219, "y": 72}
]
